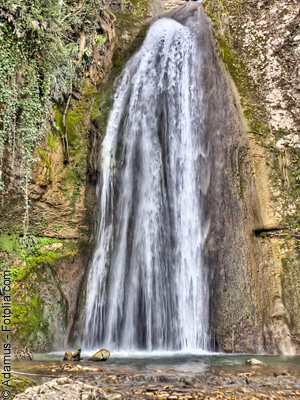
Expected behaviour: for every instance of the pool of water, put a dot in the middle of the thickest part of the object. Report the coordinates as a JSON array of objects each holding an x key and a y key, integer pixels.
[{"x": 164, "y": 362}]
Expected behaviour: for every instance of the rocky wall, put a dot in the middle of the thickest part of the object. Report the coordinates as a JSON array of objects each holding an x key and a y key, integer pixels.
[{"x": 254, "y": 297}]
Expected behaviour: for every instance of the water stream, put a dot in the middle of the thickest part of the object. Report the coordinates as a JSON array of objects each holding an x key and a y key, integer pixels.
[{"x": 147, "y": 284}]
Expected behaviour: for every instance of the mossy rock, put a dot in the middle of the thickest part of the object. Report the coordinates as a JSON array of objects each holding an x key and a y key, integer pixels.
[
  {"x": 18, "y": 384},
  {"x": 101, "y": 355},
  {"x": 68, "y": 356}
]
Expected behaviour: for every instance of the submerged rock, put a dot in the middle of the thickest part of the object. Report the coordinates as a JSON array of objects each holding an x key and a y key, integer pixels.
[
  {"x": 254, "y": 361},
  {"x": 101, "y": 355},
  {"x": 63, "y": 389}
]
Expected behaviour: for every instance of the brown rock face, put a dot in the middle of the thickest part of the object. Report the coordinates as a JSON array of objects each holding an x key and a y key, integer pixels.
[
  {"x": 50, "y": 260},
  {"x": 253, "y": 258},
  {"x": 252, "y": 251}
]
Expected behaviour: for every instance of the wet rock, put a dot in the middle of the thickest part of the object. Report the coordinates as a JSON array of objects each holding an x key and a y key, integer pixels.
[
  {"x": 63, "y": 389},
  {"x": 68, "y": 356},
  {"x": 254, "y": 361},
  {"x": 76, "y": 356},
  {"x": 101, "y": 355}
]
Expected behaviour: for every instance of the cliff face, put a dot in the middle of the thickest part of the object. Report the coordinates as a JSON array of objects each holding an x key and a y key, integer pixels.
[
  {"x": 49, "y": 262},
  {"x": 253, "y": 244},
  {"x": 255, "y": 281}
]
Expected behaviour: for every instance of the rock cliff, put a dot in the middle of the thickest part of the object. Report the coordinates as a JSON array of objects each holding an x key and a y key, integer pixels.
[
  {"x": 255, "y": 284},
  {"x": 253, "y": 246}
]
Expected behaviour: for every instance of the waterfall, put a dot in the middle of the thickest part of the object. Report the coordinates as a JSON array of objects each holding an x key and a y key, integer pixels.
[{"x": 147, "y": 283}]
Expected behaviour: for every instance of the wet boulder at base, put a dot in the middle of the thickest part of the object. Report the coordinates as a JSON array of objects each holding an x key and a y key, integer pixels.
[
  {"x": 254, "y": 361},
  {"x": 68, "y": 356},
  {"x": 101, "y": 355},
  {"x": 76, "y": 356}
]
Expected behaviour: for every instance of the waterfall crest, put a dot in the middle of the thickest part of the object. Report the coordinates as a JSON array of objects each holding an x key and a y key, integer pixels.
[{"x": 147, "y": 283}]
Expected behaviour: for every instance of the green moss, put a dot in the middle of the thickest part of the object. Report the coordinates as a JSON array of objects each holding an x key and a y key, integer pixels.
[
  {"x": 74, "y": 174},
  {"x": 15, "y": 244},
  {"x": 244, "y": 84},
  {"x": 78, "y": 115},
  {"x": 52, "y": 143},
  {"x": 71, "y": 186},
  {"x": 9, "y": 243},
  {"x": 262, "y": 235},
  {"x": 28, "y": 319},
  {"x": 33, "y": 265},
  {"x": 286, "y": 264},
  {"x": 58, "y": 119},
  {"x": 229, "y": 52},
  {"x": 294, "y": 172},
  {"x": 101, "y": 108},
  {"x": 44, "y": 156},
  {"x": 18, "y": 384},
  {"x": 57, "y": 227}
]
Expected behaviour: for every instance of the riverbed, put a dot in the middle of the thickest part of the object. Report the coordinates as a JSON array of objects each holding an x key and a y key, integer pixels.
[{"x": 176, "y": 376}]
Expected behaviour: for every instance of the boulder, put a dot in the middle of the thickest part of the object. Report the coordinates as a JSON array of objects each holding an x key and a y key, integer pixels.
[
  {"x": 254, "y": 361},
  {"x": 63, "y": 389},
  {"x": 68, "y": 356},
  {"x": 101, "y": 355},
  {"x": 76, "y": 356}
]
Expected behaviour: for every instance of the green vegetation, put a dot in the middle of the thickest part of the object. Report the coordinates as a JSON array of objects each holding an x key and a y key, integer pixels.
[
  {"x": 43, "y": 155},
  {"x": 244, "y": 84},
  {"x": 263, "y": 235},
  {"x": 31, "y": 249},
  {"x": 29, "y": 322},
  {"x": 18, "y": 384},
  {"x": 218, "y": 11},
  {"x": 71, "y": 186},
  {"x": 57, "y": 227},
  {"x": 284, "y": 162},
  {"x": 32, "y": 262},
  {"x": 46, "y": 48}
]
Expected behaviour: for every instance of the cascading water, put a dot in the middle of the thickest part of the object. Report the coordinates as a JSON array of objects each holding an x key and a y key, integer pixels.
[{"x": 147, "y": 284}]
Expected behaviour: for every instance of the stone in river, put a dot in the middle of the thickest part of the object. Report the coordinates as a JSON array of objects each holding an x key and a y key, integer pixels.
[
  {"x": 254, "y": 361},
  {"x": 73, "y": 357},
  {"x": 76, "y": 355},
  {"x": 101, "y": 355},
  {"x": 68, "y": 356}
]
